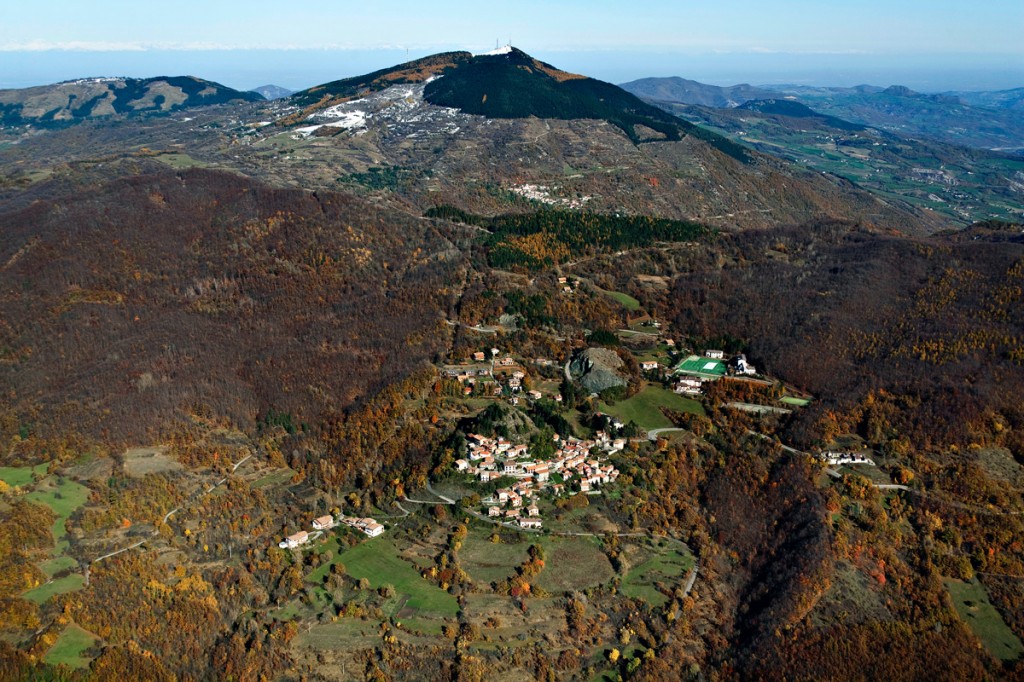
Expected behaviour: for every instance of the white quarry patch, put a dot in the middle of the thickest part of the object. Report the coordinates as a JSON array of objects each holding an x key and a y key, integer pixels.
[{"x": 542, "y": 193}]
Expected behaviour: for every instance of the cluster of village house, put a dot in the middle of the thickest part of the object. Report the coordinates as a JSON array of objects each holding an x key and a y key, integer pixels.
[
  {"x": 494, "y": 377},
  {"x": 839, "y": 458},
  {"x": 492, "y": 458},
  {"x": 322, "y": 523}
]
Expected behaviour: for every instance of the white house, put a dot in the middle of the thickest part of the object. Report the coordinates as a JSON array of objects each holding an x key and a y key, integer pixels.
[
  {"x": 531, "y": 522},
  {"x": 649, "y": 365},
  {"x": 293, "y": 541},
  {"x": 323, "y": 523},
  {"x": 714, "y": 354},
  {"x": 370, "y": 527}
]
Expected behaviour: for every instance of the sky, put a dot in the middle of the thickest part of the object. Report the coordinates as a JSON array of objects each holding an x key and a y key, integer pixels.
[{"x": 927, "y": 44}]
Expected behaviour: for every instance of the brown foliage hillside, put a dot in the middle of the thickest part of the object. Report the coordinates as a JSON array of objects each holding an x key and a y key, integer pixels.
[
  {"x": 138, "y": 302},
  {"x": 842, "y": 312}
]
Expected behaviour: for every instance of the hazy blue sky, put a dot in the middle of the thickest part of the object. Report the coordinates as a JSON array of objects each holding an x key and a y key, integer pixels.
[{"x": 256, "y": 41}]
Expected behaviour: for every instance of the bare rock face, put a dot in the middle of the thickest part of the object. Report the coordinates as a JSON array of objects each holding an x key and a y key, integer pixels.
[{"x": 597, "y": 369}]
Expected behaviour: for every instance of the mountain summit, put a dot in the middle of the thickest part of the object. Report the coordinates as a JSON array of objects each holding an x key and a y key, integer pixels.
[{"x": 507, "y": 83}]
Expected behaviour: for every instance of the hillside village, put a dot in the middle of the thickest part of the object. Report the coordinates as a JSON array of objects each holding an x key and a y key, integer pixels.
[{"x": 574, "y": 468}]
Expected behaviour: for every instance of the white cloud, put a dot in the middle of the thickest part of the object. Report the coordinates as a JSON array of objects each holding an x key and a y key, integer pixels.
[
  {"x": 102, "y": 46},
  {"x": 69, "y": 46}
]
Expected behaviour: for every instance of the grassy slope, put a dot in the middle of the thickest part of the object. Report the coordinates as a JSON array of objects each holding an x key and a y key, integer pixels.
[
  {"x": 667, "y": 566},
  {"x": 69, "y": 647},
  {"x": 972, "y": 603},
  {"x": 573, "y": 564},
  {"x": 63, "y": 499},
  {"x": 17, "y": 476},
  {"x": 625, "y": 300},
  {"x": 645, "y": 407},
  {"x": 377, "y": 560},
  {"x": 44, "y": 592}
]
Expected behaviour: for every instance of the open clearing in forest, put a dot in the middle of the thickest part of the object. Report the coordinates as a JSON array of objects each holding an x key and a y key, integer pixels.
[
  {"x": 573, "y": 564},
  {"x": 47, "y": 590},
  {"x": 665, "y": 565},
  {"x": 19, "y": 476},
  {"x": 63, "y": 496},
  {"x": 378, "y": 561},
  {"x": 487, "y": 562},
  {"x": 972, "y": 603},
  {"x": 645, "y": 407},
  {"x": 70, "y": 647},
  {"x": 139, "y": 462},
  {"x": 625, "y": 300}
]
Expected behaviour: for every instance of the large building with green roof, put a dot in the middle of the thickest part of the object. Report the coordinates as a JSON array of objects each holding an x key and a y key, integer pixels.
[{"x": 705, "y": 368}]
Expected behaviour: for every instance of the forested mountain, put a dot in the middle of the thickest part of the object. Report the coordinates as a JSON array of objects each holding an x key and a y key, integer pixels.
[
  {"x": 981, "y": 120},
  {"x": 293, "y": 390},
  {"x": 959, "y": 182},
  {"x": 684, "y": 91},
  {"x": 150, "y": 297},
  {"x": 71, "y": 102}
]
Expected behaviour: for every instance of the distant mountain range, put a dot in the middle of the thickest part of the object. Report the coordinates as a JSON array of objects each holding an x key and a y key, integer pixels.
[
  {"x": 70, "y": 102},
  {"x": 961, "y": 182},
  {"x": 983, "y": 120},
  {"x": 272, "y": 91},
  {"x": 685, "y": 91}
]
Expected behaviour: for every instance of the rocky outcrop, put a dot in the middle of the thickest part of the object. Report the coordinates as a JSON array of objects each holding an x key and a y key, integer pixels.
[{"x": 597, "y": 369}]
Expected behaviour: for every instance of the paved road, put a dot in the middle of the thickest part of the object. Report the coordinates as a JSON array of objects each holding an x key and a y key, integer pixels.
[
  {"x": 115, "y": 553},
  {"x": 448, "y": 500},
  {"x": 654, "y": 433},
  {"x": 478, "y": 328}
]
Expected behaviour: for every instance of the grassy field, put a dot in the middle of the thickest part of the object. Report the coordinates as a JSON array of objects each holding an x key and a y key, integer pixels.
[
  {"x": 15, "y": 476},
  {"x": 179, "y": 161},
  {"x": 487, "y": 562},
  {"x": 645, "y": 407},
  {"x": 55, "y": 566},
  {"x": 69, "y": 648},
  {"x": 279, "y": 477},
  {"x": 377, "y": 560},
  {"x": 44, "y": 592},
  {"x": 63, "y": 498},
  {"x": 346, "y": 633},
  {"x": 573, "y": 564},
  {"x": 797, "y": 402},
  {"x": 669, "y": 566},
  {"x": 972, "y": 603},
  {"x": 625, "y": 300}
]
